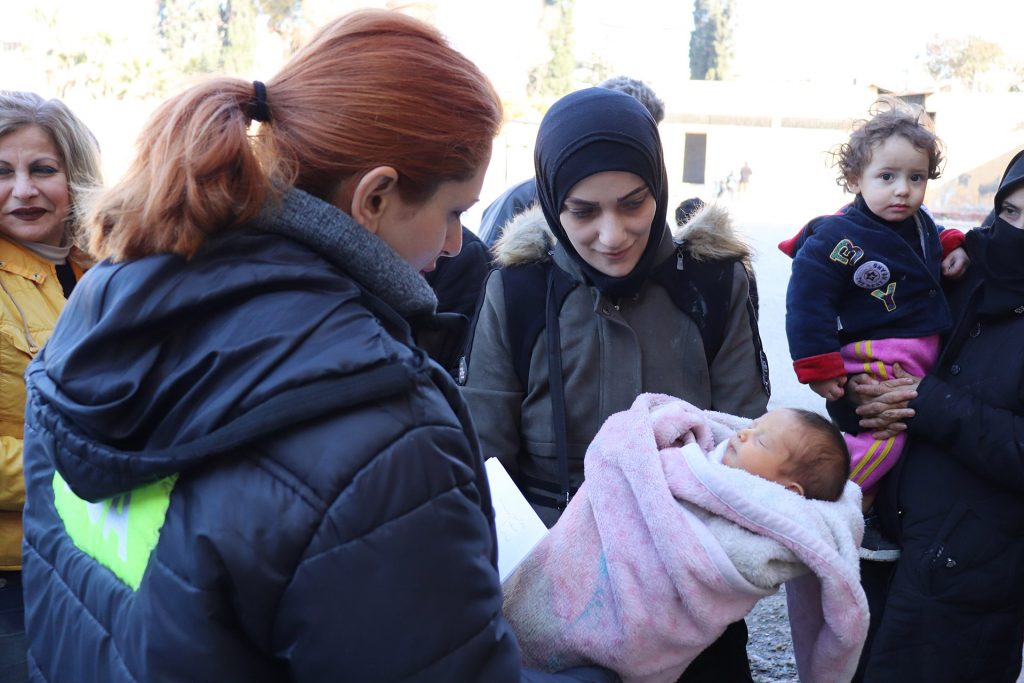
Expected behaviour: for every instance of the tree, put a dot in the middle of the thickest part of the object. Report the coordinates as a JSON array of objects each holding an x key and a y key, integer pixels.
[
  {"x": 593, "y": 70},
  {"x": 207, "y": 36},
  {"x": 284, "y": 17},
  {"x": 95, "y": 64},
  {"x": 554, "y": 78},
  {"x": 711, "y": 40},
  {"x": 961, "y": 59},
  {"x": 1017, "y": 84}
]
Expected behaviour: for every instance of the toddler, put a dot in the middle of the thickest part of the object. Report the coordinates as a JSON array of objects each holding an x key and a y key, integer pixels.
[{"x": 865, "y": 290}]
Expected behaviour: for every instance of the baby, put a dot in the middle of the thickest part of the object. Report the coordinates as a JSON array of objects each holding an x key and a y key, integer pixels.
[
  {"x": 799, "y": 449},
  {"x": 686, "y": 519}
]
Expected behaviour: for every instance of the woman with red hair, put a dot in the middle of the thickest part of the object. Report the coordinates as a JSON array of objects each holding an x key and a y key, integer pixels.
[{"x": 240, "y": 466}]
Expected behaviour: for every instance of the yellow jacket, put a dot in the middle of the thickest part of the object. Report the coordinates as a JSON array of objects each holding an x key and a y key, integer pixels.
[{"x": 31, "y": 298}]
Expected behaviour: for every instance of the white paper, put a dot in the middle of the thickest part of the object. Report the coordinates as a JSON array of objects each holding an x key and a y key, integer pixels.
[{"x": 518, "y": 526}]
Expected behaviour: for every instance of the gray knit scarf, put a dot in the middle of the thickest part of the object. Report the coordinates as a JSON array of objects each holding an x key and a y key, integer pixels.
[{"x": 362, "y": 255}]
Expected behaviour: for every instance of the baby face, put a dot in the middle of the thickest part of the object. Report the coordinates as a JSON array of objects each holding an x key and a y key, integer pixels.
[{"x": 764, "y": 447}]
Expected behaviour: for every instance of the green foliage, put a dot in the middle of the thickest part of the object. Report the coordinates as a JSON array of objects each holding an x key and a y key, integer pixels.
[
  {"x": 593, "y": 70},
  {"x": 1017, "y": 84},
  {"x": 190, "y": 38},
  {"x": 554, "y": 78},
  {"x": 711, "y": 40},
  {"x": 95, "y": 64},
  {"x": 961, "y": 59},
  {"x": 284, "y": 17},
  {"x": 207, "y": 36}
]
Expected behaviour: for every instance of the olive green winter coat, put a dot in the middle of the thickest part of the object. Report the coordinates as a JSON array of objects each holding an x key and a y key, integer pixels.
[{"x": 612, "y": 351}]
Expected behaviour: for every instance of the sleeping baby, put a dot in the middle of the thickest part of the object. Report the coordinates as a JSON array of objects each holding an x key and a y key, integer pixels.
[{"x": 686, "y": 519}]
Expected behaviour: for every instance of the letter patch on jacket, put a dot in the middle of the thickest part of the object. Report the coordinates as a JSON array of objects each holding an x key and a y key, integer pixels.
[
  {"x": 846, "y": 253},
  {"x": 120, "y": 532},
  {"x": 887, "y": 296}
]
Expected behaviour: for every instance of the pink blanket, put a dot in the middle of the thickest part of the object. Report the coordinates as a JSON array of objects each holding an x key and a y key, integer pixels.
[{"x": 633, "y": 579}]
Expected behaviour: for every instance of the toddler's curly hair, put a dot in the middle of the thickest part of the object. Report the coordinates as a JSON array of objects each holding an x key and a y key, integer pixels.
[{"x": 889, "y": 116}]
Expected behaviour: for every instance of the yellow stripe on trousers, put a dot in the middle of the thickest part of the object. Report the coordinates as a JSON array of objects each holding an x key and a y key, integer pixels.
[
  {"x": 870, "y": 461},
  {"x": 872, "y": 366}
]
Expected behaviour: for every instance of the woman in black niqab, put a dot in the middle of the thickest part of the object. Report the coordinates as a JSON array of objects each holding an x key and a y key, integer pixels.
[{"x": 956, "y": 498}]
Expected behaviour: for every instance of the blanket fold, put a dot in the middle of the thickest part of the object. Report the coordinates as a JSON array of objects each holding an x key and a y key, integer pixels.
[{"x": 661, "y": 549}]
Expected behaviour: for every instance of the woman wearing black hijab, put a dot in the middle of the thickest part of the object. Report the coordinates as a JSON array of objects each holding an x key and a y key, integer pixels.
[
  {"x": 952, "y": 607},
  {"x": 593, "y": 279}
]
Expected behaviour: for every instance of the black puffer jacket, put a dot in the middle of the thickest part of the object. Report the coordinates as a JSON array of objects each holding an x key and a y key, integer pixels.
[{"x": 178, "y": 530}]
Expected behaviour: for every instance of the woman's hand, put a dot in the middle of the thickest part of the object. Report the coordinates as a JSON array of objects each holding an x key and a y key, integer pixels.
[{"x": 882, "y": 405}]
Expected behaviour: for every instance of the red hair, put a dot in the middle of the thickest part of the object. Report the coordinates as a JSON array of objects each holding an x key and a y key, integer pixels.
[{"x": 372, "y": 88}]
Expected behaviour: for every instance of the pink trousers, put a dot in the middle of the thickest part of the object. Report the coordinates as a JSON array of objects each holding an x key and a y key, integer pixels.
[{"x": 871, "y": 458}]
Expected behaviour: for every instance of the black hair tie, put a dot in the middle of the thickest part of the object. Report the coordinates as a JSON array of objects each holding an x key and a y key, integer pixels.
[{"x": 259, "y": 111}]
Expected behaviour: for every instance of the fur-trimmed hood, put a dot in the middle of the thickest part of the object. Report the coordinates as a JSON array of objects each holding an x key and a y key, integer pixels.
[{"x": 708, "y": 236}]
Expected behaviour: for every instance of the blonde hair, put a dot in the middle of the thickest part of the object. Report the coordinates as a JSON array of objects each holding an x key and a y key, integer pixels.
[{"x": 372, "y": 88}]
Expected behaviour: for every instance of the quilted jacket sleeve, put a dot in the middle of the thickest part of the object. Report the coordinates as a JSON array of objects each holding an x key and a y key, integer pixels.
[{"x": 397, "y": 582}]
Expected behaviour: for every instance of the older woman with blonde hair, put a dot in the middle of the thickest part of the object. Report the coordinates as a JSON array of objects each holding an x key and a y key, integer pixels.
[{"x": 47, "y": 157}]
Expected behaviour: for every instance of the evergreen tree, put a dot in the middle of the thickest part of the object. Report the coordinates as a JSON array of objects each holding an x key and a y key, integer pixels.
[
  {"x": 711, "y": 40},
  {"x": 554, "y": 79}
]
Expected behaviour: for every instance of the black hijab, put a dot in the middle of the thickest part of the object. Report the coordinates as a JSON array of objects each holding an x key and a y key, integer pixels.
[
  {"x": 591, "y": 131},
  {"x": 999, "y": 250}
]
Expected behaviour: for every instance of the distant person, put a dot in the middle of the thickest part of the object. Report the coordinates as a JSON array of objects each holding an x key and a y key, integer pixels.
[
  {"x": 595, "y": 303},
  {"x": 745, "y": 173},
  {"x": 727, "y": 186},
  {"x": 520, "y": 196},
  {"x": 866, "y": 286},
  {"x": 686, "y": 520},
  {"x": 48, "y": 159},
  {"x": 240, "y": 465}
]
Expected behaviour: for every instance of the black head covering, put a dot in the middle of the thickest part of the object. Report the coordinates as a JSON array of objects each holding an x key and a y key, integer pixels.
[
  {"x": 591, "y": 131},
  {"x": 999, "y": 250},
  {"x": 1012, "y": 178}
]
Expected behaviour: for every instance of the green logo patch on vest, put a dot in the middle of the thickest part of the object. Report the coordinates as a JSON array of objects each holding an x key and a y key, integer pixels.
[{"x": 120, "y": 532}]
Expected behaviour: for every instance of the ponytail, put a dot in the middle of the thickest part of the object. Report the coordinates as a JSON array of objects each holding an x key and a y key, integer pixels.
[
  {"x": 195, "y": 175},
  {"x": 373, "y": 88}
]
